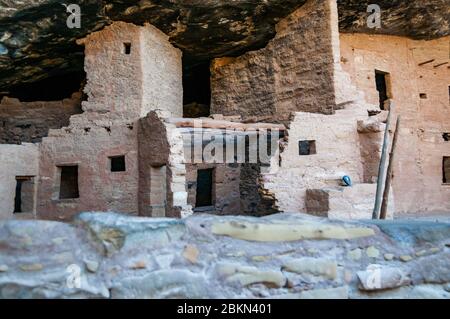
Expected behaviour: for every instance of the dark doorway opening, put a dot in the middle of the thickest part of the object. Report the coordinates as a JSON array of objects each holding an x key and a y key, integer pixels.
[
  {"x": 196, "y": 88},
  {"x": 68, "y": 188},
  {"x": 24, "y": 198},
  {"x": 382, "y": 83},
  {"x": 446, "y": 170},
  {"x": 204, "y": 195}
]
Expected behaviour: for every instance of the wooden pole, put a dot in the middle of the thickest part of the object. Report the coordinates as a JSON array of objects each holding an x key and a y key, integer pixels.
[
  {"x": 387, "y": 187},
  {"x": 382, "y": 167}
]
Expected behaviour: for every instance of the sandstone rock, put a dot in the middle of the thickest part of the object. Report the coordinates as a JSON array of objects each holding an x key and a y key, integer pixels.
[
  {"x": 32, "y": 267},
  {"x": 116, "y": 231},
  {"x": 315, "y": 266},
  {"x": 163, "y": 284},
  {"x": 432, "y": 269},
  {"x": 191, "y": 253},
  {"x": 389, "y": 257},
  {"x": 380, "y": 278},
  {"x": 421, "y": 253},
  {"x": 91, "y": 265},
  {"x": 428, "y": 292},
  {"x": 355, "y": 254},
  {"x": 241, "y": 268},
  {"x": 372, "y": 252},
  {"x": 139, "y": 265},
  {"x": 286, "y": 232},
  {"x": 246, "y": 275},
  {"x": 405, "y": 258},
  {"x": 329, "y": 293}
]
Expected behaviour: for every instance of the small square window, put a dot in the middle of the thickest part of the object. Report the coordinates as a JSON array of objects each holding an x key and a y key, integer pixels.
[
  {"x": 117, "y": 163},
  {"x": 127, "y": 48},
  {"x": 446, "y": 137},
  {"x": 307, "y": 147},
  {"x": 423, "y": 96}
]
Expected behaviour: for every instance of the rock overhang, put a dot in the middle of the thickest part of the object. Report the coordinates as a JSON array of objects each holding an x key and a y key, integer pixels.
[{"x": 35, "y": 42}]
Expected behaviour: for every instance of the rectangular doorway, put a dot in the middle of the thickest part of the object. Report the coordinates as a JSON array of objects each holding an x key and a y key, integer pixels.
[
  {"x": 382, "y": 83},
  {"x": 204, "y": 196},
  {"x": 24, "y": 197}
]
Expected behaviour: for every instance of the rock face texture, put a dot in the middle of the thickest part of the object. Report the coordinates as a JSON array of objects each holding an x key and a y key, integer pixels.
[
  {"x": 29, "y": 122},
  {"x": 105, "y": 255},
  {"x": 286, "y": 75},
  {"x": 34, "y": 38}
]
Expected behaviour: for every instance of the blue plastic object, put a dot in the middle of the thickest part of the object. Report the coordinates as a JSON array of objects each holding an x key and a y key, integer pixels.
[{"x": 347, "y": 180}]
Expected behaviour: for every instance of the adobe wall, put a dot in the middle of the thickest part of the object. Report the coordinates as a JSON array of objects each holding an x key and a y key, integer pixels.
[
  {"x": 337, "y": 153},
  {"x": 226, "y": 194},
  {"x": 15, "y": 160},
  {"x": 162, "y": 192},
  {"x": 418, "y": 181},
  {"x": 287, "y": 75},
  {"x": 89, "y": 145},
  {"x": 29, "y": 122},
  {"x": 131, "y": 85},
  {"x": 122, "y": 87}
]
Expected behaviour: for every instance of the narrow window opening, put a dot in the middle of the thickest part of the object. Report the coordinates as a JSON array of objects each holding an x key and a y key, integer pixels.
[
  {"x": 196, "y": 88},
  {"x": 24, "y": 197},
  {"x": 423, "y": 96},
  {"x": 117, "y": 163},
  {"x": 68, "y": 188},
  {"x": 382, "y": 82},
  {"x": 204, "y": 195},
  {"x": 307, "y": 147},
  {"x": 127, "y": 48},
  {"x": 446, "y": 170}
]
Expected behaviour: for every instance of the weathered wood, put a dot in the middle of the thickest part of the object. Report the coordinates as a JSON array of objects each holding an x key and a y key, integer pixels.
[
  {"x": 387, "y": 187},
  {"x": 382, "y": 167},
  {"x": 222, "y": 124}
]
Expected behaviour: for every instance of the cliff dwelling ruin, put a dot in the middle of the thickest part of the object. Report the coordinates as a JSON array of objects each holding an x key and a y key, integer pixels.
[{"x": 157, "y": 129}]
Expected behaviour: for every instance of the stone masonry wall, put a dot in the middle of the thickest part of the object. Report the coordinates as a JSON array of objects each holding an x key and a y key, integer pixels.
[
  {"x": 89, "y": 145},
  {"x": 226, "y": 178},
  {"x": 293, "y": 73},
  {"x": 162, "y": 169},
  {"x": 130, "y": 85},
  {"x": 286, "y": 256},
  {"x": 29, "y": 122},
  {"x": 337, "y": 147},
  {"x": 417, "y": 180}
]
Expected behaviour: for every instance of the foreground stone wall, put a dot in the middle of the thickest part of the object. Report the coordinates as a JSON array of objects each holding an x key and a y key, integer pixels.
[
  {"x": 29, "y": 122},
  {"x": 418, "y": 183},
  {"x": 287, "y": 75},
  {"x": 15, "y": 161},
  {"x": 281, "y": 256}
]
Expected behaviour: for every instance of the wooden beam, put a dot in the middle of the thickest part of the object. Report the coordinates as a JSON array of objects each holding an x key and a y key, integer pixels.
[
  {"x": 440, "y": 64},
  {"x": 382, "y": 167},
  {"x": 387, "y": 187},
  {"x": 221, "y": 124},
  {"x": 426, "y": 62}
]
